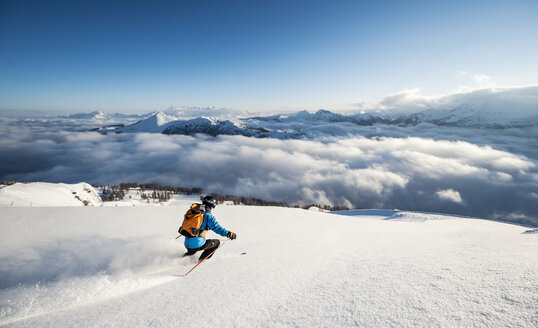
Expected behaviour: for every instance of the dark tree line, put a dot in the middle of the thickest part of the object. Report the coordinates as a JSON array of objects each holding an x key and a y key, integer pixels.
[
  {"x": 148, "y": 191},
  {"x": 163, "y": 193},
  {"x": 259, "y": 202},
  {"x": 161, "y": 196},
  {"x": 154, "y": 186},
  {"x": 112, "y": 193},
  {"x": 244, "y": 200}
]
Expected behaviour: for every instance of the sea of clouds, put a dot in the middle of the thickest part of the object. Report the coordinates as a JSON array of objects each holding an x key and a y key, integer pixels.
[{"x": 476, "y": 172}]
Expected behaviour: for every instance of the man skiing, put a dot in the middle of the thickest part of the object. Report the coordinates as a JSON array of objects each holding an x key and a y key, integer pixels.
[{"x": 198, "y": 220}]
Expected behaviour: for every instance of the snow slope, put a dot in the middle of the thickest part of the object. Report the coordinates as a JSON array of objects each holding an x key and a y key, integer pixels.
[
  {"x": 43, "y": 194},
  {"x": 121, "y": 267}
]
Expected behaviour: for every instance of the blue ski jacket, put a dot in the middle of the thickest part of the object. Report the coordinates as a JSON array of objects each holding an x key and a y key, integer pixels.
[{"x": 208, "y": 222}]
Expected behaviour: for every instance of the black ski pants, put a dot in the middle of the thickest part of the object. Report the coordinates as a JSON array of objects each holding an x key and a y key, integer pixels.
[{"x": 209, "y": 246}]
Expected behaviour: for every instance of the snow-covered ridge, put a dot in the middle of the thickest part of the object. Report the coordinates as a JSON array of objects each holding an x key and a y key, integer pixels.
[
  {"x": 209, "y": 126},
  {"x": 43, "y": 194},
  {"x": 327, "y": 116}
]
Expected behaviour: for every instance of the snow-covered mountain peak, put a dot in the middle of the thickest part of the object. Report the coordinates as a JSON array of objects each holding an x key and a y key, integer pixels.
[
  {"x": 327, "y": 116},
  {"x": 304, "y": 115},
  {"x": 161, "y": 118},
  {"x": 153, "y": 124}
]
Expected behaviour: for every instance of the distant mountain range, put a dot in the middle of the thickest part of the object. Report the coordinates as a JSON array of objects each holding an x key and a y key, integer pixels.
[
  {"x": 178, "y": 112},
  {"x": 297, "y": 125},
  {"x": 100, "y": 115},
  {"x": 462, "y": 116}
]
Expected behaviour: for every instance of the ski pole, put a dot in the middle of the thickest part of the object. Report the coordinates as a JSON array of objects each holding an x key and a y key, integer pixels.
[{"x": 205, "y": 258}]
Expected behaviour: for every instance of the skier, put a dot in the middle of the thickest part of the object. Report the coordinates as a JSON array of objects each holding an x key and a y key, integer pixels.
[{"x": 198, "y": 220}]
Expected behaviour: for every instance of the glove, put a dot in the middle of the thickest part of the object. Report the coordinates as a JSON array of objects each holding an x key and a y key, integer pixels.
[{"x": 232, "y": 235}]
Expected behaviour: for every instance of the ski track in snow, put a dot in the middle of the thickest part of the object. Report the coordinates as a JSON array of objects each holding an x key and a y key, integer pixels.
[{"x": 121, "y": 267}]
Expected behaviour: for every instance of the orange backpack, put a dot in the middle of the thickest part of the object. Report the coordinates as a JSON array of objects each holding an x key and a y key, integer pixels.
[{"x": 192, "y": 222}]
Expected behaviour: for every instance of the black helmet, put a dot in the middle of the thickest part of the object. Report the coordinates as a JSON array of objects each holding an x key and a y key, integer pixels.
[{"x": 209, "y": 201}]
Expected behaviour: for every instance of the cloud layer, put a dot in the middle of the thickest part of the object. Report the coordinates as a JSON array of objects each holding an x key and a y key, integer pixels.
[{"x": 386, "y": 168}]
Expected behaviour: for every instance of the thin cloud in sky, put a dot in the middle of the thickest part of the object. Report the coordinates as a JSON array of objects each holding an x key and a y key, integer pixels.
[
  {"x": 450, "y": 194},
  {"x": 474, "y": 81},
  {"x": 484, "y": 80}
]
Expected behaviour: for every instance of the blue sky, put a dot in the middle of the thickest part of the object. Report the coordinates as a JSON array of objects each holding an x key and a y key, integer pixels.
[{"x": 136, "y": 56}]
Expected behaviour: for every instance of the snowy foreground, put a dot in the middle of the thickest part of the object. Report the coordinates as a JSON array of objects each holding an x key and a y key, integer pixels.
[{"x": 122, "y": 267}]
